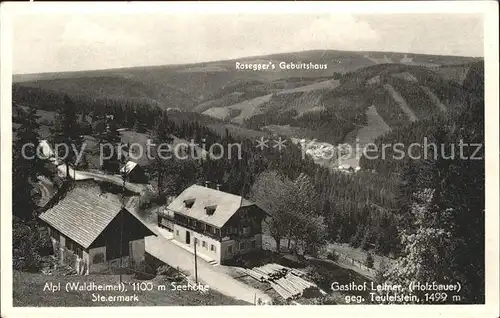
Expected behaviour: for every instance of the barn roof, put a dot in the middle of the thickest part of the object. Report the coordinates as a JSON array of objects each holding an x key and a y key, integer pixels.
[
  {"x": 82, "y": 215},
  {"x": 225, "y": 204}
]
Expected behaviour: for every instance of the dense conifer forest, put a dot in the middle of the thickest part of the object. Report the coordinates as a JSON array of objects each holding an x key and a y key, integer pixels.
[{"x": 435, "y": 203}]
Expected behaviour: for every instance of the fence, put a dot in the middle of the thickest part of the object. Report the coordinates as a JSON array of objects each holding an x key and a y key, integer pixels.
[
  {"x": 340, "y": 256},
  {"x": 350, "y": 261}
]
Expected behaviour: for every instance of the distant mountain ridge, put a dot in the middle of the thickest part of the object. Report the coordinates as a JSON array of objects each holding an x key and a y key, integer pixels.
[{"x": 329, "y": 105}]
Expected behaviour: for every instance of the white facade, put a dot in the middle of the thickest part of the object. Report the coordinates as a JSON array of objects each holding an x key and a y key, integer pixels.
[
  {"x": 207, "y": 245},
  {"x": 231, "y": 248},
  {"x": 94, "y": 261},
  {"x": 218, "y": 250}
]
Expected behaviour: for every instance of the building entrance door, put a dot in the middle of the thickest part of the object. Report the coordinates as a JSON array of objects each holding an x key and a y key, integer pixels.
[{"x": 188, "y": 237}]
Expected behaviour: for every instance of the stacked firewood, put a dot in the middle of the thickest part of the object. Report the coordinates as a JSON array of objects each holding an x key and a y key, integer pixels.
[{"x": 287, "y": 282}]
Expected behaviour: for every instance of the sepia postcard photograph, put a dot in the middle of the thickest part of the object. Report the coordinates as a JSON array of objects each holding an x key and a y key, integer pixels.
[{"x": 286, "y": 156}]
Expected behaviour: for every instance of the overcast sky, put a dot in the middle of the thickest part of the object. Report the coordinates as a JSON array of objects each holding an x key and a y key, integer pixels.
[{"x": 71, "y": 42}]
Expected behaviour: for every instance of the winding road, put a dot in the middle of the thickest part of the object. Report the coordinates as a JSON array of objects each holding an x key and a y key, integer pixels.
[
  {"x": 214, "y": 276},
  {"x": 161, "y": 247},
  {"x": 100, "y": 176}
]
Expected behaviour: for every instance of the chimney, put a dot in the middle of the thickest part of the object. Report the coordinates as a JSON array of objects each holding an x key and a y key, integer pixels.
[
  {"x": 218, "y": 186},
  {"x": 207, "y": 184}
]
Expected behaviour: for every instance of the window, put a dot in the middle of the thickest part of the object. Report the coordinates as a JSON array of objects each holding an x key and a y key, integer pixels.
[
  {"x": 212, "y": 248},
  {"x": 169, "y": 213},
  {"x": 56, "y": 235},
  {"x": 98, "y": 258},
  {"x": 204, "y": 244},
  {"x": 74, "y": 247},
  {"x": 230, "y": 249},
  {"x": 242, "y": 246},
  {"x": 189, "y": 203},
  {"x": 253, "y": 244},
  {"x": 210, "y": 210},
  {"x": 69, "y": 244},
  {"x": 246, "y": 230},
  {"x": 78, "y": 251}
]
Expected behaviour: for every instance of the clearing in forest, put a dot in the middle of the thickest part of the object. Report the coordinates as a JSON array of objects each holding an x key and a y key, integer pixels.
[{"x": 401, "y": 102}]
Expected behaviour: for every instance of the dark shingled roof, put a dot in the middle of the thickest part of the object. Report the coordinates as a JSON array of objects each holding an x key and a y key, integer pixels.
[
  {"x": 82, "y": 215},
  {"x": 225, "y": 204}
]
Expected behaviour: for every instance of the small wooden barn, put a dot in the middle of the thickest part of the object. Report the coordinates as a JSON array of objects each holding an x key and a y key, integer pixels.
[
  {"x": 135, "y": 172},
  {"x": 91, "y": 232}
]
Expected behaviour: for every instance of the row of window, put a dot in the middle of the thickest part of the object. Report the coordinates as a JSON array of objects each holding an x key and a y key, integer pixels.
[
  {"x": 69, "y": 243},
  {"x": 210, "y": 229},
  {"x": 205, "y": 245},
  {"x": 204, "y": 227},
  {"x": 242, "y": 246},
  {"x": 74, "y": 247},
  {"x": 234, "y": 230}
]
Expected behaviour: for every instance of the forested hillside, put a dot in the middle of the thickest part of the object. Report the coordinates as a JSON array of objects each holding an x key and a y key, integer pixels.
[
  {"x": 441, "y": 200},
  {"x": 342, "y": 199},
  {"x": 410, "y": 209}
]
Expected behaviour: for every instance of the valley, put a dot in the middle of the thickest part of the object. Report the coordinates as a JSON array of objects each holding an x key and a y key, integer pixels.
[
  {"x": 334, "y": 107},
  {"x": 225, "y": 154}
]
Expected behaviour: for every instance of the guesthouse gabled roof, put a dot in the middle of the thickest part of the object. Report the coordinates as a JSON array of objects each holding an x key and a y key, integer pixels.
[
  {"x": 203, "y": 198},
  {"x": 82, "y": 215}
]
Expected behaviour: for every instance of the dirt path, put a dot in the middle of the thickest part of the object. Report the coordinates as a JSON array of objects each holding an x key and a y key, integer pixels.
[
  {"x": 173, "y": 255},
  {"x": 251, "y": 107},
  {"x": 329, "y": 84},
  {"x": 115, "y": 179},
  {"x": 374, "y": 128},
  {"x": 434, "y": 98},
  {"x": 401, "y": 102},
  {"x": 47, "y": 190}
]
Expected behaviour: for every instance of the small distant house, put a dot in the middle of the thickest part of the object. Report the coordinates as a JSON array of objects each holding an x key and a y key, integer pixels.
[
  {"x": 406, "y": 59},
  {"x": 91, "y": 231},
  {"x": 346, "y": 167},
  {"x": 46, "y": 152},
  {"x": 222, "y": 224},
  {"x": 135, "y": 173},
  {"x": 45, "y": 149}
]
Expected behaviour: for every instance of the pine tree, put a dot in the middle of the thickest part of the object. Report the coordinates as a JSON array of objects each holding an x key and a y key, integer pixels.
[
  {"x": 26, "y": 164},
  {"x": 110, "y": 140},
  {"x": 162, "y": 134},
  {"x": 369, "y": 261},
  {"x": 66, "y": 131}
]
